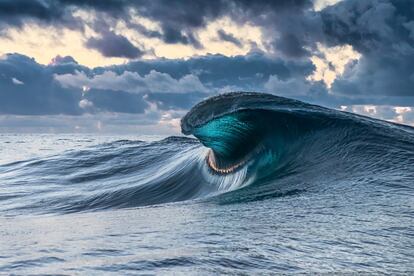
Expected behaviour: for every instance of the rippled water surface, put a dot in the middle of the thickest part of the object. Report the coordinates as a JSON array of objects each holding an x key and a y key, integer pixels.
[{"x": 337, "y": 228}]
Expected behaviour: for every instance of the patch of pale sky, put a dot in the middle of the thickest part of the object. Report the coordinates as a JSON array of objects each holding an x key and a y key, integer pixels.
[
  {"x": 44, "y": 43},
  {"x": 207, "y": 36},
  {"x": 396, "y": 114},
  {"x": 331, "y": 62},
  {"x": 321, "y": 4}
]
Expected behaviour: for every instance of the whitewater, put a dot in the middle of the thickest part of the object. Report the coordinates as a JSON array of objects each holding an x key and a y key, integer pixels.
[{"x": 260, "y": 184}]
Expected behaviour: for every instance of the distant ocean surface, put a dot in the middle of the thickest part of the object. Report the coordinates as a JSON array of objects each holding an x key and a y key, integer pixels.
[{"x": 335, "y": 195}]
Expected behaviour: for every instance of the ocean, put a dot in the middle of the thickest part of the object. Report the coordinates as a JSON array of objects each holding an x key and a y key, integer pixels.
[{"x": 262, "y": 185}]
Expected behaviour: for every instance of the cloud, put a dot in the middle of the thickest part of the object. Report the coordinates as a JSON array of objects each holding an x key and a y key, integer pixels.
[
  {"x": 176, "y": 26},
  {"x": 179, "y": 21},
  {"x": 217, "y": 71},
  {"x": 36, "y": 93},
  {"x": 295, "y": 88},
  {"x": 59, "y": 60},
  {"x": 65, "y": 87},
  {"x": 321, "y": 4},
  {"x": 331, "y": 62},
  {"x": 380, "y": 31},
  {"x": 159, "y": 88},
  {"x": 229, "y": 38},
  {"x": 84, "y": 103},
  {"x": 105, "y": 100},
  {"x": 113, "y": 45},
  {"x": 290, "y": 28},
  {"x": 176, "y": 101},
  {"x": 28, "y": 88},
  {"x": 179, "y": 84},
  {"x": 18, "y": 13},
  {"x": 16, "y": 81},
  {"x": 410, "y": 27},
  {"x": 132, "y": 82},
  {"x": 397, "y": 114}
]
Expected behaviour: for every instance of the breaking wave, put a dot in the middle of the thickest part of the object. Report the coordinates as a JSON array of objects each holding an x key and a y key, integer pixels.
[{"x": 249, "y": 146}]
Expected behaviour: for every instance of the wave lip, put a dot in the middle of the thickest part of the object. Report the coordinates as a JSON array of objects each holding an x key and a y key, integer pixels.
[
  {"x": 237, "y": 125},
  {"x": 266, "y": 132},
  {"x": 223, "y": 104}
]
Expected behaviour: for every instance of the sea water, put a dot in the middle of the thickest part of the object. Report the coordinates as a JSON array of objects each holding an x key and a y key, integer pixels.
[{"x": 71, "y": 204}]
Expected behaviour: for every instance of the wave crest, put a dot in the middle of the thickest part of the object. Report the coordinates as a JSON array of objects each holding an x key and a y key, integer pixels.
[{"x": 267, "y": 145}]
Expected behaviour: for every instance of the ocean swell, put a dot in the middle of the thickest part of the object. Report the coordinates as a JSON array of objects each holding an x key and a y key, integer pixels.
[{"x": 249, "y": 146}]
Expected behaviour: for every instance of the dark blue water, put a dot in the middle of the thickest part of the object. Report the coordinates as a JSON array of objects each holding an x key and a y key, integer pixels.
[{"x": 269, "y": 185}]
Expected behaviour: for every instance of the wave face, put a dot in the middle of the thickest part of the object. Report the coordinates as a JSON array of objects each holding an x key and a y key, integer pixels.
[{"x": 251, "y": 146}]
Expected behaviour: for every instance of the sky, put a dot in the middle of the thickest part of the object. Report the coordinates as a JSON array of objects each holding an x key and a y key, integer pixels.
[{"x": 120, "y": 66}]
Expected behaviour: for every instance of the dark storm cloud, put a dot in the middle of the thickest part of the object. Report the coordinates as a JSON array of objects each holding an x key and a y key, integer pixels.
[
  {"x": 14, "y": 12},
  {"x": 116, "y": 101},
  {"x": 17, "y": 13},
  {"x": 36, "y": 92},
  {"x": 28, "y": 88},
  {"x": 63, "y": 60},
  {"x": 381, "y": 31},
  {"x": 229, "y": 38},
  {"x": 113, "y": 45},
  {"x": 291, "y": 28},
  {"x": 66, "y": 65},
  {"x": 178, "y": 19},
  {"x": 215, "y": 71}
]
